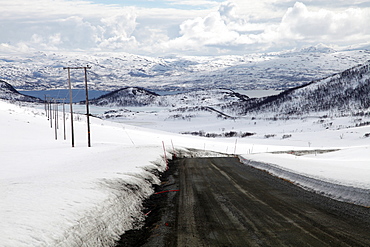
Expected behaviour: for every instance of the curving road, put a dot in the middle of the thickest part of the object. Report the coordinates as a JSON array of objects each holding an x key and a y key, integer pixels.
[{"x": 222, "y": 202}]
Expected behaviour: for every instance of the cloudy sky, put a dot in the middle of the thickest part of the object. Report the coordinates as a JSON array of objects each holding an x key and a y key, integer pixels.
[{"x": 184, "y": 27}]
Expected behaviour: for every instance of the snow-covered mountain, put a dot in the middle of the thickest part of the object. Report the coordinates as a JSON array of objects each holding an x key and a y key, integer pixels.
[
  {"x": 202, "y": 78},
  {"x": 112, "y": 71},
  {"x": 345, "y": 92},
  {"x": 135, "y": 96},
  {"x": 128, "y": 96},
  {"x": 342, "y": 93},
  {"x": 7, "y": 92},
  {"x": 318, "y": 48}
]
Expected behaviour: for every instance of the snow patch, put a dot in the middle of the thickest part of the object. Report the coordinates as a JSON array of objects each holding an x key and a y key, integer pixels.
[{"x": 337, "y": 191}]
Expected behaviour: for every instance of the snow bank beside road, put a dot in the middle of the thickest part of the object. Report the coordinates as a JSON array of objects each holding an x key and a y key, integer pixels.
[
  {"x": 343, "y": 175},
  {"x": 55, "y": 195}
]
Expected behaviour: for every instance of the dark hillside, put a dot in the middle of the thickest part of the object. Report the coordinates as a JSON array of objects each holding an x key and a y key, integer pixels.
[
  {"x": 128, "y": 96},
  {"x": 135, "y": 96},
  {"x": 345, "y": 92},
  {"x": 8, "y": 92}
]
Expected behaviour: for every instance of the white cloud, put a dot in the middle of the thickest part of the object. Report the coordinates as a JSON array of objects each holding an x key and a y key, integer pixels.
[
  {"x": 59, "y": 24},
  {"x": 324, "y": 25},
  {"x": 215, "y": 29},
  {"x": 299, "y": 26},
  {"x": 117, "y": 31},
  {"x": 235, "y": 26}
]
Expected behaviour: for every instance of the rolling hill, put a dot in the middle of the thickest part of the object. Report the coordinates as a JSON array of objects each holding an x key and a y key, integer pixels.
[
  {"x": 7, "y": 92},
  {"x": 136, "y": 96},
  {"x": 347, "y": 92}
]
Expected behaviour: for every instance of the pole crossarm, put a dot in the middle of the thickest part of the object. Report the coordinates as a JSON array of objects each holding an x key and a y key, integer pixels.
[{"x": 84, "y": 67}]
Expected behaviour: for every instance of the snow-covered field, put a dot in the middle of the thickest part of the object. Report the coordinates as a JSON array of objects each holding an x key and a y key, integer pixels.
[{"x": 56, "y": 195}]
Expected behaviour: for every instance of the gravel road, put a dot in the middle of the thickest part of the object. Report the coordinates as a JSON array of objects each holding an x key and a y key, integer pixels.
[
  {"x": 225, "y": 203},
  {"x": 221, "y": 202}
]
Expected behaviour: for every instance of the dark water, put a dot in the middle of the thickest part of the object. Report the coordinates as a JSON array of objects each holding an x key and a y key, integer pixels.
[
  {"x": 162, "y": 93},
  {"x": 77, "y": 94}
]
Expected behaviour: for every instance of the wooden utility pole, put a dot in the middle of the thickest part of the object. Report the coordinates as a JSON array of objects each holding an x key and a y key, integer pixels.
[
  {"x": 55, "y": 114},
  {"x": 87, "y": 109},
  {"x": 64, "y": 119},
  {"x": 47, "y": 107},
  {"x": 50, "y": 114},
  {"x": 87, "y": 102},
  {"x": 45, "y": 104},
  {"x": 70, "y": 105}
]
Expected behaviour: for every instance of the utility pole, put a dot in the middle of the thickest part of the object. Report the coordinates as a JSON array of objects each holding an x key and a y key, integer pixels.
[
  {"x": 47, "y": 107},
  {"x": 50, "y": 113},
  {"x": 45, "y": 104},
  {"x": 70, "y": 105},
  {"x": 87, "y": 108},
  {"x": 87, "y": 102},
  {"x": 64, "y": 119},
  {"x": 55, "y": 114}
]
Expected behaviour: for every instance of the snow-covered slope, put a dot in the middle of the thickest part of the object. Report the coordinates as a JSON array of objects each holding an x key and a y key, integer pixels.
[
  {"x": 113, "y": 71},
  {"x": 135, "y": 96},
  {"x": 211, "y": 97},
  {"x": 128, "y": 96},
  {"x": 343, "y": 93},
  {"x": 55, "y": 195},
  {"x": 347, "y": 92},
  {"x": 7, "y": 92}
]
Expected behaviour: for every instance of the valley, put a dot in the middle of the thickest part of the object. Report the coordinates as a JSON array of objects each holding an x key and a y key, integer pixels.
[{"x": 313, "y": 135}]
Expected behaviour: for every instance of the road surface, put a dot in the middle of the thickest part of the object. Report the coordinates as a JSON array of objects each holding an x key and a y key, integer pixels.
[{"x": 222, "y": 202}]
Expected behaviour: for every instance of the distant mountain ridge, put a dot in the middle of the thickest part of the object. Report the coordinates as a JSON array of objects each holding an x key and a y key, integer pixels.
[
  {"x": 347, "y": 92},
  {"x": 318, "y": 48},
  {"x": 112, "y": 71}
]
